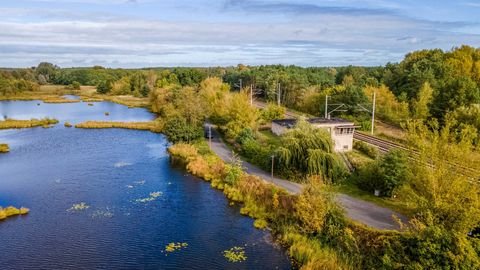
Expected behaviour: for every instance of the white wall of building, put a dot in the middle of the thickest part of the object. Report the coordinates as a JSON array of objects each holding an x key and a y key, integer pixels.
[{"x": 341, "y": 134}]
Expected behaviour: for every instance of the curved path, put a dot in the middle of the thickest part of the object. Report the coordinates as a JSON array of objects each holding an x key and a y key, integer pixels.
[{"x": 358, "y": 210}]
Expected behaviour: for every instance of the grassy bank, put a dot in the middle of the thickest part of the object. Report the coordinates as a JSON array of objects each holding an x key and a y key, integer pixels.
[
  {"x": 4, "y": 148},
  {"x": 154, "y": 126},
  {"x": 12, "y": 211},
  {"x": 11, "y": 123}
]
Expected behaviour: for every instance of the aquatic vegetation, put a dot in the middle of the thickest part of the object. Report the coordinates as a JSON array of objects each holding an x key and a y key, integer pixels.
[
  {"x": 90, "y": 104},
  {"x": 4, "y": 148},
  {"x": 107, "y": 113},
  {"x": 79, "y": 207},
  {"x": 153, "y": 196},
  {"x": 67, "y": 124},
  {"x": 102, "y": 213},
  {"x": 150, "y": 125},
  {"x": 171, "y": 247},
  {"x": 12, "y": 211},
  {"x": 235, "y": 254},
  {"x": 121, "y": 164},
  {"x": 12, "y": 123}
]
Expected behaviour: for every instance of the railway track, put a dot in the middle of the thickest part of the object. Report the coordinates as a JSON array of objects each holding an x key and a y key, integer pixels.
[{"x": 384, "y": 146}]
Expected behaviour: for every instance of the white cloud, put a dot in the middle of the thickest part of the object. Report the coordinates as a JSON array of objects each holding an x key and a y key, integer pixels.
[{"x": 70, "y": 37}]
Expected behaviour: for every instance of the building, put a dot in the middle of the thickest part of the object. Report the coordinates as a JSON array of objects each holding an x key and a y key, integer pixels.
[{"x": 340, "y": 130}]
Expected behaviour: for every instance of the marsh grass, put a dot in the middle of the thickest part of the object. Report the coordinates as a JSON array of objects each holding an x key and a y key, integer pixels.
[
  {"x": 12, "y": 123},
  {"x": 4, "y": 148},
  {"x": 129, "y": 101},
  {"x": 152, "y": 126},
  {"x": 67, "y": 124},
  {"x": 91, "y": 99},
  {"x": 12, "y": 211},
  {"x": 59, "y": 100}
]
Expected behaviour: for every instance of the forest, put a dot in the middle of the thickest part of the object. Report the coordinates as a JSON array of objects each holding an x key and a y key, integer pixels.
[{"x": 426, "y": 84}]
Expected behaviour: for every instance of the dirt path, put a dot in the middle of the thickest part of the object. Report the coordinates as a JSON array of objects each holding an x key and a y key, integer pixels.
[{"x": 358, "y": 210}]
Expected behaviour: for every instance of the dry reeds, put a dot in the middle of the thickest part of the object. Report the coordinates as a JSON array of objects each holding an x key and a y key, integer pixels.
[
  {"x": 4, "y": 148},
  {"x": 150, "y": 125},
  {"x": 12, "y": 123}
]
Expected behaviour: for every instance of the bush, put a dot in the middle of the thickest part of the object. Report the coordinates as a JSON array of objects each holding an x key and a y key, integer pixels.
[
  {"x": 178, "y": 130},
  {"x": 244, "y": 135},
  {"x": 272, "y": 112},
  {"x": 386, "y": 174},
  {"x": 366, "y": 149}
]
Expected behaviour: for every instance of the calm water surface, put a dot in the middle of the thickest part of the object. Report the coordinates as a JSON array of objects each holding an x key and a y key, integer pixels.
[{"x": 112, "y": 170}]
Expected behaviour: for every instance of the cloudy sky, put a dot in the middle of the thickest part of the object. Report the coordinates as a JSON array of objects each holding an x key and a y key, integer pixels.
[{"x": 142, "y": 33}]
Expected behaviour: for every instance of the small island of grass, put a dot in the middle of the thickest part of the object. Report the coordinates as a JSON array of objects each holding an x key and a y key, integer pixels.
[
  {"x": 153, "y": 126},
  {"x": 12, "y": 211},
  {"x": 4, "y": 148},
  {"x": 12, "y": 123}
]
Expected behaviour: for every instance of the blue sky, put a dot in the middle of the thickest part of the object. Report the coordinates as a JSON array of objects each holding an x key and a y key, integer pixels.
[{"x": 143, "y": 33}]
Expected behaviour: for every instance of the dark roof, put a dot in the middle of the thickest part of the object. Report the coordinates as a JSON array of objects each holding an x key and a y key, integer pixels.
[{"x": 292, "y": 122}]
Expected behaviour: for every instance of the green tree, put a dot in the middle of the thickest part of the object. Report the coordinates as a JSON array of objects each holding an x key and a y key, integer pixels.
[
  {"x": 104, "y": 87},
  {"x": 421, "y": 105},
  {"x": 178, "y": 130},
  {"x": 76, "y": 85},
  {"x": 309, "y": 151}
]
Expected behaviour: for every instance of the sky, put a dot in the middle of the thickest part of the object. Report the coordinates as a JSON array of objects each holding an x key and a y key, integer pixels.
[{"x": 153, "y": 33}]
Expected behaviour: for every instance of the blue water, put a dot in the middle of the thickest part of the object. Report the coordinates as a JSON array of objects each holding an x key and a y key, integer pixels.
[{"x": 111, "y": 170}]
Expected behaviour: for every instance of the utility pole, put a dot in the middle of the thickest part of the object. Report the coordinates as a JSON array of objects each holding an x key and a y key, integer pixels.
[
  {"x": 251, "y": 95},
  {"x": 279, "y": 94},
  {"x": 373, "y": 110},
  {"x": 273, "y": 158},
  {"x": 210, "y": 136},
  {"x": 326, "y": 106}
]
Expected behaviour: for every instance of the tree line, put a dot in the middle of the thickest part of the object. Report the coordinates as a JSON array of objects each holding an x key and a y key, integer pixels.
[{"x": 426, "y": 84}]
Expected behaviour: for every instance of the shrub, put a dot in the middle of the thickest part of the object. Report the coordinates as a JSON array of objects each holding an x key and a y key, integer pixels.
[
  {"x": 386, "y": 174},
  {"x": 366, "y": 149},
  {"x": 178, "y": 130},
  {"x": 244, "y": 135}
]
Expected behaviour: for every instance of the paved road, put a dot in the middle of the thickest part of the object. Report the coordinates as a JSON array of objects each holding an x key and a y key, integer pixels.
[
  {"x": 358, "y": 210},
  {"x": 219, "y": 147}
]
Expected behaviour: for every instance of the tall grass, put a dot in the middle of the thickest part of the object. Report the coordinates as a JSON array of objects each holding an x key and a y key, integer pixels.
[
  {"x": 154, "y": 126},
  {"x": 12, "y": 211},
  {"x": 4, "y": 148},
  {"x": 12, "y": 123}
]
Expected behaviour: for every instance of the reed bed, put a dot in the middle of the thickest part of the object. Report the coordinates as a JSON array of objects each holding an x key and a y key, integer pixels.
[
  {"x": 60, "y": 100},
  {"x": 150, "y": 125},
  {"x": 91, "y": 99},
  {"x": 4, "y": 148},
  {"x": 12, "y": 211},
  {"x": 12, "y": 123}
]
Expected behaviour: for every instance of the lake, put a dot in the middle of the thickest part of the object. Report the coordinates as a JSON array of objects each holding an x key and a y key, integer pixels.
[{"x": 138, "y": 202}]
